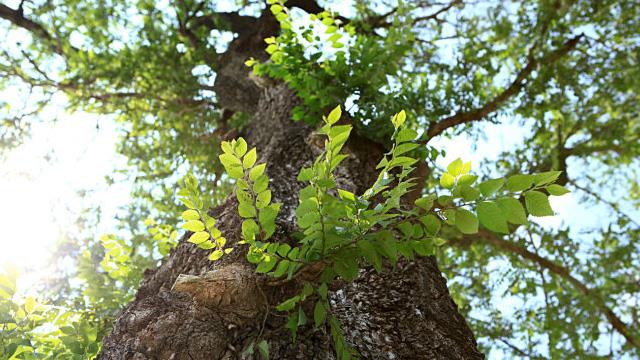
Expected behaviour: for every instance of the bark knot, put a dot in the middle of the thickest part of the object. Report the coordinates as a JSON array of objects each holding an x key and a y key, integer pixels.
[{"x": 230, "y": 290}]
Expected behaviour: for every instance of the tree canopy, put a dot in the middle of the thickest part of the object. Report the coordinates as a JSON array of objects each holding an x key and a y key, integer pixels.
[{"x": 565, "y": 73}]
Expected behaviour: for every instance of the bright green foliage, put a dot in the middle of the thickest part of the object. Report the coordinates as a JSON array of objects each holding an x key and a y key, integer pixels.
[
  {"x": 496, "y": 206},
  {"x": 196, "y": 220},
  {"x": 164, "y": 235},
  {"x": 334, "y": 50},
  {"x": 33, "y": 330},
  {"x": 254, "y": 206},
  {"x": 343, "y": 231},
  {"x": 116, "y": 257}
]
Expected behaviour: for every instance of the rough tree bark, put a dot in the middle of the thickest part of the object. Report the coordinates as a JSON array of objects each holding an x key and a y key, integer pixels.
[{"x": 402, "y": 313}]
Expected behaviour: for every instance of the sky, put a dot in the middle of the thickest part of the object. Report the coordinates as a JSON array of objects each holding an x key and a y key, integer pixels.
[{"x": 48, "y": 181}]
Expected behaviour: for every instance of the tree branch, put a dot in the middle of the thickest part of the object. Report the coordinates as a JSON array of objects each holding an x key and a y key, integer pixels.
[
  {"x": 563, "y": 273},
  {"x": 435, "y": 15},
  {"x": 513, "y": 89},
  {"x": 16, "y": 17},
  {"x": 231, "y": 21}
]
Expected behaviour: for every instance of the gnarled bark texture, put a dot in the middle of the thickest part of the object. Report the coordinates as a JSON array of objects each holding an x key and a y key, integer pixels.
[{"x": 401, "y": 313}]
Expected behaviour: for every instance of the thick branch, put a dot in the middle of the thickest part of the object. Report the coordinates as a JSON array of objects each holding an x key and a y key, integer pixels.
[
  {"x": 225, "y": 21},
  {"x": 16, "y": 17},
  {"x": 513, "y": 89},
  {"x": 563, "y": 273}
]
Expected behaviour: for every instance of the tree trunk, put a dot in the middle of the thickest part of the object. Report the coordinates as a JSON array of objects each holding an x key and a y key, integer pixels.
[{"x": 402, "y": 313}]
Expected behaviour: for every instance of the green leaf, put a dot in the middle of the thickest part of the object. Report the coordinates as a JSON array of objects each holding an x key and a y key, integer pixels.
[
  {"x": 334, "y": 115},
  {"x": 466, "y": 179},
  {"x": 370, "y": 253},
  {"x": 455, "y": 167},
  {"x": 422, "y": 247},
  {"x": 405, "y": 249},
  {"x": 546, "y": 177},
  {"x": 557, "y": 190},
  {"x": 346, "y": 195},
  {"x": 406, "y": 228},
  {"x": 30, "y": 304},
  {"x": 513, "y": 210},
  {"x": 276, "y": 9},
  {"x": 250, "y": 229},
  {"x": 193, "y": 225},
  {"x": 246, "y": 210},
  {"x": 466, "y": 221},
  {"x": 307, "y": 290},
  {"x": 226, "y": 147},
  {"x": 319, "y": 313},
  {"x": 283, "y": 250},
  {"x": 403, "y": 148},
  {"x": 268, "y": 262},
  {"x": 444, "y": 200},
  {"x": 288, "y": 304},
  {"x": 190, "y": 215},
  {"x": 402, "y": 160},
  {"x": 491, "y": 217},
  {"x": 426, "y": 202},
  {"x": 346, "y": 267},
  {"x": 235, "y": 171},
  {"x": 263, "y": 199},
  {"x": 517, "y": 183},
  {"x": 242, "y": 184},
  {"x": 447, "y": 181},
  {"x": 229, "y": 160},
  {"x": 267, "y": 219},
  {"x": 241, "y": 147},
  {"x": 215, "y": 255},
  {"x": 263, "y": 348},
  {"x": 406, "y": 135},
  {"x": 439, "y": 241},
  {"x": 206, "y": 245},
  {"x": 322, "y": 291},
  {"x": 389, "y": 246},
  {"x": 302, "y": 317},
  {"x": 399, "y": 119},
  {"x": 261, "y": 184},
  {"x": 431, "y": 223},
  {"x": 256, "y": 171},
  {"x": 305, "y": 174},
  {"x": 248, "y": 350},
  {"x": 199, "y": 237},
  {"x": 488, "y": 187},
  {"x": 282, "y": 268},
  {"x": 250, "y": 159},
  {"x": 469, "y": 193},
  {"x": 537, "y": 203}
]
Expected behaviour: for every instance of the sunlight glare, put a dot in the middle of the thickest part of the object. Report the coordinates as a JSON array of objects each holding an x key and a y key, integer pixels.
[{"x": 41, "y": 183}]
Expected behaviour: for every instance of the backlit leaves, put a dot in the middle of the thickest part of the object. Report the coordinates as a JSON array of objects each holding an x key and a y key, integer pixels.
[{"x": 537, "y": 203}]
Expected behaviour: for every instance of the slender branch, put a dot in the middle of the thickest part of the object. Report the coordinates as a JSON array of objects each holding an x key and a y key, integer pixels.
[
  {"x": 601, "y": 199},
  {"x": 435, "y": 15},
  {"x": 17, "y": 18},
  {"x": 502, "y": 336},
  {"x": 513, "y": 89},
  {"x": 563, "y": 273}
]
